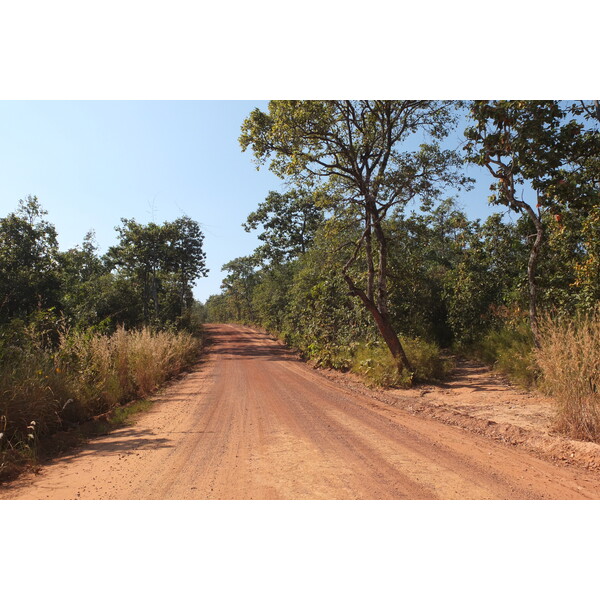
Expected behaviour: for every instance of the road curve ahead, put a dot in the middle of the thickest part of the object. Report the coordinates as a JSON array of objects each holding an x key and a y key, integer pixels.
[{"x": 253, "y": 422}]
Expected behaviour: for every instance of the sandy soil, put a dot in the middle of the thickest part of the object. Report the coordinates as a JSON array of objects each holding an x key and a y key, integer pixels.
[
  {"x": 254, "y": 422},
  {"x": 478, "y": 400}
]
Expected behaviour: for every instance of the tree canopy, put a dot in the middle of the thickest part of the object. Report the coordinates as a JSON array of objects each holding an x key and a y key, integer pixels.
[
  {"x": 534, "y": 143},
  {"x": 357, "y": 153}
]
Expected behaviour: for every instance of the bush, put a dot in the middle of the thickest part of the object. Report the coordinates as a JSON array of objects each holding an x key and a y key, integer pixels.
[
  {"x": 377, "y": 364},
  {"x": 509, "y": 350},
  {"x": 569, "y": 361}
]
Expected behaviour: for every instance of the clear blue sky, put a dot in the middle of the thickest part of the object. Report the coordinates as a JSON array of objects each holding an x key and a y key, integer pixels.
[{"x": 92, "y": 162}]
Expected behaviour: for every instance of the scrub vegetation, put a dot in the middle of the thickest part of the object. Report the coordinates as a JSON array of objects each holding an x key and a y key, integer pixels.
[
  {"x": 81, "y": 335},
  {"x": 369, "y": 263}
]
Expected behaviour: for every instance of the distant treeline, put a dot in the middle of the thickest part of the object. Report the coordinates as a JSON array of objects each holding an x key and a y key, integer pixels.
[{"x": 145, "y": 279}]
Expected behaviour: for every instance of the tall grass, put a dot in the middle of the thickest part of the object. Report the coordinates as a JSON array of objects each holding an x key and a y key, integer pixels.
[
  {"x": 509, "y": 350},
  {"x": 84, "y": 375},
  {"x": 569, "y": 360}
]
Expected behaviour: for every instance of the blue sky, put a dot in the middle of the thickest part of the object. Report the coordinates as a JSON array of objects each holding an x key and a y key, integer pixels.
[{"x": 92, "y": 162}]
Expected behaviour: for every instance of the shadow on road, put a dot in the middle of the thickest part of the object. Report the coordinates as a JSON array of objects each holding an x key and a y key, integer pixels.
[{"x": 240, "y": 347}]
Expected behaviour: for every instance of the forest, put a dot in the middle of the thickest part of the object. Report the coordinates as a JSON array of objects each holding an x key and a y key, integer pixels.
[{"x": 367, "y": 263}]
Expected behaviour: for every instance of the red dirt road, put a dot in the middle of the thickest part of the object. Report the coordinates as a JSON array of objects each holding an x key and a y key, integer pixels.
[{"x": 253, "y": 422}]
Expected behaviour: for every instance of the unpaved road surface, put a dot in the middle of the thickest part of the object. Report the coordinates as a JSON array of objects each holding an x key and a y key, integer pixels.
[{"x": 253, "y": 422}]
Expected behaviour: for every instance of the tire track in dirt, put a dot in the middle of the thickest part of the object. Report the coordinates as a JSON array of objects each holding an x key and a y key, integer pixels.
[{"x": 253, "y": 422}]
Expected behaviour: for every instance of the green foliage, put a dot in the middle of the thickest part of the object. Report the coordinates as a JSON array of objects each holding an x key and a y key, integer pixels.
[
  {"x": 587, "y": 269},
  {"x": 28, "y": 261},
  {"x": 289, "y": 222},
  {"x": 543, "y": 163},
  {"x": 218, "y": 309},
  {"x": 306, "y": 302},
  {"x": 64, "y": 354},
  {"x": 320, "y": 310},
  {"x": 356, "y": 152},
  {"x": 533, "y": 141},
  {"x": 272, "y": 296},
  {"x": 162, "y": 261},
  {"x": 146, "y": 279},
  {"x": 509, "y": 350},
  {"x": 239, "y": 285},
  {"x": 376, "y": 364}
]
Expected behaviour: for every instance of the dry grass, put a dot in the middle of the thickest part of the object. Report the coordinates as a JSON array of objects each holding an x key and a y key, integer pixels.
[
  {"x": 569, "y": 360},
  {"x": 87, "y": 374},
  {"x": 104, "y": 371}
]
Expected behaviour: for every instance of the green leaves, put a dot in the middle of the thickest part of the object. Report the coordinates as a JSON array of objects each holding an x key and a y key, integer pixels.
[
  {"x": 533, "y": 142},
  {"x": 28, "y": 261},
  {"x": 163, "y": 261},
  {"x": 289, "y": 222}
]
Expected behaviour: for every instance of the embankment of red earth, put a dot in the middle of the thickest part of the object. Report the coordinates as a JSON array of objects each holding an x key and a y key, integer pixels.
[{"x": 483, "y": 402}]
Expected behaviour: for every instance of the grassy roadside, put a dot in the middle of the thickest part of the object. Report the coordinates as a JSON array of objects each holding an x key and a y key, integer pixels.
[
  {"x": 510, "y": 351},
  {"x": 569, "y": 363},
  {"x": 370, "y": 360},
  {"x": 566, "y": 367},
  {"x": 14, "y": 461},
  {"x": 53, "y": 397}
]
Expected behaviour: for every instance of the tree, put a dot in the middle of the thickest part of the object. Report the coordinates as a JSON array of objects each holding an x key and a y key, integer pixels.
[
  {"x": 81, "y": 269},
  {"x": 289, "y": 223},
  {"x": 239, "y": 285},
  {"x": 186, "y": 256},
  {"x": 141, "y": 254},
  {"x": 357, "y": 152},
  {"x": 164, "y": 261},
  {"x": 530, "y": 145},
  {"x": 424, "y": 248},
  {"x": 28, "y": 261},
  {"x": 271, "y": 298}
]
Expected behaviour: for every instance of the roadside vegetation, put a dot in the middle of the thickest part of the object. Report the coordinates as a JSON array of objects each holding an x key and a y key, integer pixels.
[
  {"x": 369, "y": 263},
  {"x": 83, "y": 335},
  {"x": 569, "y": 363}
]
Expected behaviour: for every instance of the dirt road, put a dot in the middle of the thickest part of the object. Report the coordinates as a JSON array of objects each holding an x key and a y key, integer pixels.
[{"x": 253, "y": 422}]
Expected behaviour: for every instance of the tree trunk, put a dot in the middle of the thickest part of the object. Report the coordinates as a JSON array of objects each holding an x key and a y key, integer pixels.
[
  {"x": 385, "y": 328},
  {"x": 382, "y": 303},
  {"x": 369, "y": 250},
  {"x": 534, "y": 255},
  {"x": 155, "y": 294},
  {"x": 183, "y": 286},
  {"x": 145, "y": 297}
]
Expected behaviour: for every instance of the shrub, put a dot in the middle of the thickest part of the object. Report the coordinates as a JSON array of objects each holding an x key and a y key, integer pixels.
[
  {"x": 510, "y": 351},
  {"x": 377, "y": 364},
  {"x": 569, "y": 361}
]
